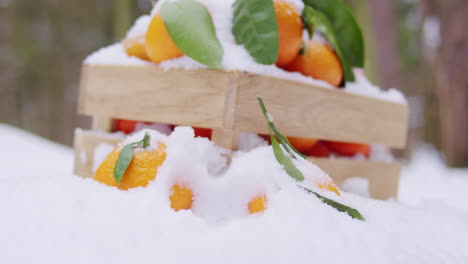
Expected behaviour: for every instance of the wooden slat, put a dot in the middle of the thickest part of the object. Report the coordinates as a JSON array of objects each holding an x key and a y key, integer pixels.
[
  {"x": 383, "y": 177},
  {"x": 104, "y": 124},
  {"x": 304, "y": 110},
  {"x": 147, "y": 93}
]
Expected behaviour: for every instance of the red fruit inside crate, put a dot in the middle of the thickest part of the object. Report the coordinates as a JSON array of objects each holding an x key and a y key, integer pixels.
[
  {"x": 348, "y": 149},
  {"x": 319, "y": 150},
  {"x": 126, "y": 126},
  {"x": 203, "y": 132},
  {"x": 302, "y": 144}
]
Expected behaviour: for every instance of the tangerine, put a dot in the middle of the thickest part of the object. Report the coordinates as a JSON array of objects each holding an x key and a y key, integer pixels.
[
  {"x": 159, "y": 44},
  {"x": 142, "y": 169},
  {"x": 320, "y": 62},
  {"x": 290, "y": 32}
]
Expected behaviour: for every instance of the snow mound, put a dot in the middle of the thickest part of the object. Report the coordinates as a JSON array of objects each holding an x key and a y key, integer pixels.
[{"x": 49, "y": 215}]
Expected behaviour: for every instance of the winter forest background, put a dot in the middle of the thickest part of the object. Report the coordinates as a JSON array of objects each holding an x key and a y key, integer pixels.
[{"x": 417, "y": 46}]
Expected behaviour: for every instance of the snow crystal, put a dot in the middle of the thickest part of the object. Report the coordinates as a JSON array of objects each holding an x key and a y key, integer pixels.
[
  {"x": 139, "y": 28},
  {"x": 356, "y": 185}
]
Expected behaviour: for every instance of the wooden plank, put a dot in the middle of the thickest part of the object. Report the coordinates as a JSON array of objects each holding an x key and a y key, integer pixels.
[
  {"x": 383, "y": 177},
  {"x": 104, "y": 124},
  {"x": 226, "y": 137},
  {"x": 147, "y": 93},
  {"x": 304, "y": 110}
]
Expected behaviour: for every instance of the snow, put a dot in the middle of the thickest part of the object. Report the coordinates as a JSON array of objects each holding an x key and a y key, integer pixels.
[
  {"x": 48, "y": 215},
  {"x": 235, "y": 56}
]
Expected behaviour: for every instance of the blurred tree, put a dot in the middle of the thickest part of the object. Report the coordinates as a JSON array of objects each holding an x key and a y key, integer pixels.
[
  {"x": 452, "y": 77},
  {"x": 40, "y": 59}
]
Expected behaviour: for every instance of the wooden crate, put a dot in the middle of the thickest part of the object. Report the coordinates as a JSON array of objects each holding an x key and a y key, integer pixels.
[{"x": 225, "y": 101}]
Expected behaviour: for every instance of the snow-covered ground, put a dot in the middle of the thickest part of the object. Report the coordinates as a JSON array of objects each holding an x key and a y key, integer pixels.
[{"x": 47, "y": 215}]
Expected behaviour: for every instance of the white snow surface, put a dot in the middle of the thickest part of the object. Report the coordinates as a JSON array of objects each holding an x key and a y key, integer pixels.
[
  {"x": 48, "y": 215},
  {"x": 235, "y": 56}
]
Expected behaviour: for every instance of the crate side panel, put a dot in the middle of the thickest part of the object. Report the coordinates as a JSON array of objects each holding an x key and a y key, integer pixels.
[
  {"x": 303, "y": 110},
  {"x": 147, "y": 93},
  {"x": 383, "y": 178}
]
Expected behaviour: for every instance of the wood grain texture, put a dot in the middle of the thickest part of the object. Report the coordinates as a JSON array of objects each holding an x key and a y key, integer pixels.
[
  {"x": 147, "y": 93},
  {"x": 383, "y": 177},
  {"x": 101, "y": 123},
  {"x": 304, "y": 110}
]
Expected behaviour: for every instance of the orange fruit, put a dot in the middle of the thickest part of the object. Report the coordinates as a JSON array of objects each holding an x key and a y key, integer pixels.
[
  {"x": 319, "y": 62},
  {"x": 290, "y": 32},
  {"x": 319, "y": 150},
  {"x": 181, "y": 198},
  {"x": 136, "y": 47},
  {"x": 329, "y": 187},
  {"x": 126, "y": 126},
  {"x": 348, "y": 149},
  {"x": 203, "y": 132},
  {"x": 302, "y": 144},
  {"x": 142, "y": 169},
  {"x": 159, "y": 44},
  {"x": 258, "y": 204}
]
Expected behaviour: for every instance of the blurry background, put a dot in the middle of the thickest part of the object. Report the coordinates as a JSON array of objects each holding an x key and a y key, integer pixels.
[{"x": 417, "y": 46}]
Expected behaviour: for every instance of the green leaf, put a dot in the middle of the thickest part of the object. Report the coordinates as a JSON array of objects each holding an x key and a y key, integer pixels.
[
  {"x": 121, "y": 166},
  {"x": 126, "y": 156},
  {"x": 282, "y": 139},
  {"x": 348, "y": 33},
  {"x": 294, "y": 172},
  {"x": 191, "y": 28},
  {"x": 255, "y": 26},
  {"x": 338, "y": 206},
  {"x": 282, "y": 159},
  {"x": 316, "y": 19}
]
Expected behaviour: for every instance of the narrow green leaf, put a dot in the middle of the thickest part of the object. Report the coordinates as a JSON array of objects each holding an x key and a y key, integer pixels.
[
  {"x": 294, "y": 172},
  {"x": 338, "y": 206},
  {"x": 282, "y": 159},
  {"x": 348, "y": 33},
  {"x": 190, "y": 26},
  {"x": 316, "y": 19},
  {"x": 282, "y": 139},
  {"x": 123, "y": 161},
  {"x": 255, "y": 26}
]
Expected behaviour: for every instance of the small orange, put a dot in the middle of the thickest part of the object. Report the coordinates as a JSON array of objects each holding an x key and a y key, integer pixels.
[
  {"x": 181, "y": 198},
  {"x": 290, "y": 32},
  {"x": 159, "y": 45},
  {"x": 330, "y": 187},
  {"x": 136, "y": 47},
  {"x": 258, "y": 204},
  {"x": 142, "y": 169},
  {"x": 302, "y": 144},
  {"x": 320, "y": 62}
]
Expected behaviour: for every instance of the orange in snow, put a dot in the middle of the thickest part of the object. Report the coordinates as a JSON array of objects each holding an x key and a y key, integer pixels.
[
  {"x": 181, "y": 198},
  {"x": 290, "y": 32},
  {"x": 159, "y": 44},
  {"x": 140, "y": 172},
  {"x": 258, "y": 204},
  {"x": 319, "y": 62},
  {"x": 136, "y": 47},
  {"x": 329, "y": 187}
]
